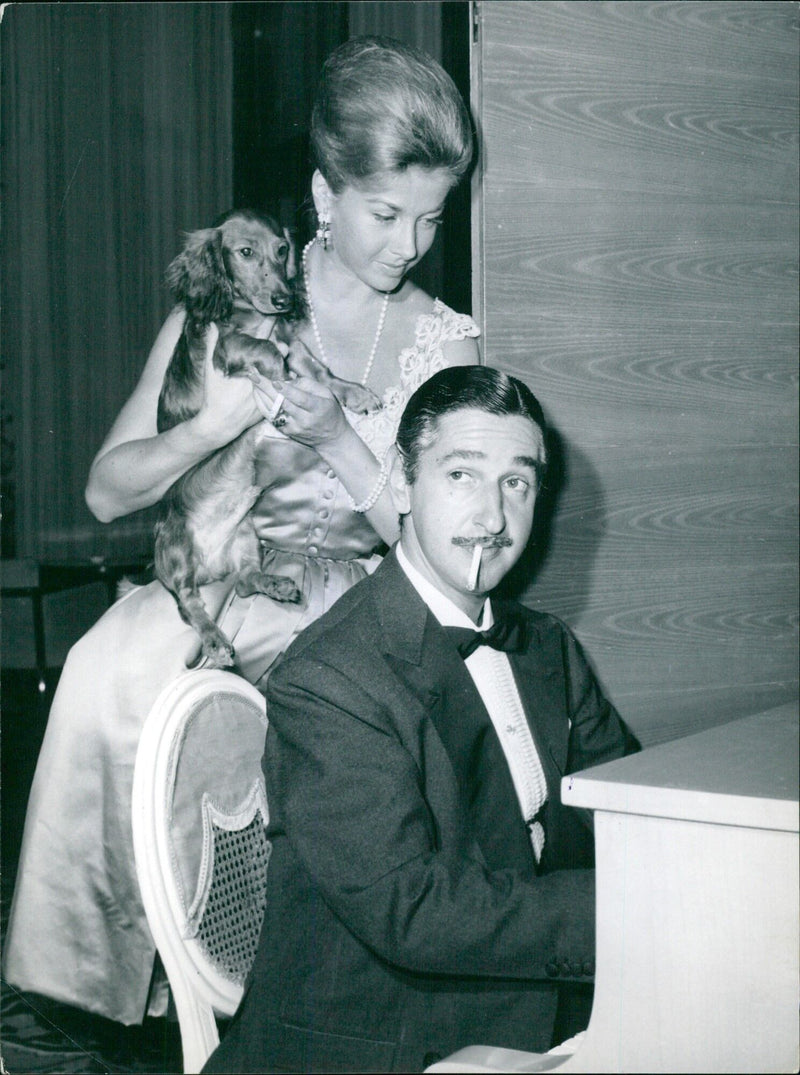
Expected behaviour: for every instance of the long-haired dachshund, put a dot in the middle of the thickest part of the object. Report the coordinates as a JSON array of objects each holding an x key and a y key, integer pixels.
[{"x": 236, "y": 274}]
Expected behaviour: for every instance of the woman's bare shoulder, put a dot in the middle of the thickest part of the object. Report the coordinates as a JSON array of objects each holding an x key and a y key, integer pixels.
[
  {"x": 412, "y": 302},
  {"x": 429, "y": 327}
]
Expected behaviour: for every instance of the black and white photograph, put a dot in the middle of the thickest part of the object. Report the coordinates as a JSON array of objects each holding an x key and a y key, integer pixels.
[{"x": 400, "y": 536}]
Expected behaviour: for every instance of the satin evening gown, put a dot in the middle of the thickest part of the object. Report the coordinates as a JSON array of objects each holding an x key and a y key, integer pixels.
[{"x": 77, "y": 931}]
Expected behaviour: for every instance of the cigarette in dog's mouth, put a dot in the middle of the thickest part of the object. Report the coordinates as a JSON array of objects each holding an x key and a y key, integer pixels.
[{"x": 475, "y": 566}]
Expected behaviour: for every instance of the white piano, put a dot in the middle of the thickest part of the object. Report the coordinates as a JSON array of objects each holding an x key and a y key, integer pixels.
[{"x": 698, "y": 909}]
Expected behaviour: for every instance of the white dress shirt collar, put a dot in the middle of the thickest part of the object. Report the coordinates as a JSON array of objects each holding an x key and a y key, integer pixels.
[
  {"x": 446, "y": 611},
  {"x": 494, "y": 679}
]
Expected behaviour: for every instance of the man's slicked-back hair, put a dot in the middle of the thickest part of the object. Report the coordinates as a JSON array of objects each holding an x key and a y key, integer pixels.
[{"x": 456, "y": 388}]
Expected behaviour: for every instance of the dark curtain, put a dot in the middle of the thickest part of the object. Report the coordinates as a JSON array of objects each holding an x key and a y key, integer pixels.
[
  {"x": 122, "y": 126},
  {"x": 279, "y": 49},
  {"x": 116, "y": 136}
]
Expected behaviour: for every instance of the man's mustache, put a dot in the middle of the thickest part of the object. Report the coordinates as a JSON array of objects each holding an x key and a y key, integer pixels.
[{"x": 499, "y": 542}]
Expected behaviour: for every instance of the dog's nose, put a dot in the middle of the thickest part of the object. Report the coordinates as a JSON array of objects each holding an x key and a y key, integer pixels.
[{"x": 280, "y": 300}]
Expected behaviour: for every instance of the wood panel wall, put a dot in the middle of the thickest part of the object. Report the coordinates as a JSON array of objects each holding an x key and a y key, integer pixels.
[{"x": 635, "y": 237}]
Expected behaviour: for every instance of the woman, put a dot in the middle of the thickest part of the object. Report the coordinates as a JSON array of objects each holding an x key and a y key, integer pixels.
[{"x": 391, "y": 137}]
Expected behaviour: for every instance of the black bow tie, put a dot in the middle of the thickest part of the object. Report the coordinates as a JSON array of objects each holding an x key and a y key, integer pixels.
[{"x": 507, "y": 633}]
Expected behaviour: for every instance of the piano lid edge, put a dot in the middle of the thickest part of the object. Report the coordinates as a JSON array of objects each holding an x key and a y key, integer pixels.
[{"x": 740, "y": 773}]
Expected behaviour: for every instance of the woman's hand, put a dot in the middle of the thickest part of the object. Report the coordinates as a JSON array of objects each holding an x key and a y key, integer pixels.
[
  {"x": 313, "y": 414},
  {"x": 136, "y": 464},
  {"x": 309, "y": 413},
  {"x": 229, "y": 405}
]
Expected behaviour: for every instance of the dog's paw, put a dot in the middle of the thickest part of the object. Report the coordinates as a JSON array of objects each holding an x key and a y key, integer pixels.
[
  {"x": 220, "y": 657},
  {"x": 280, "y": 588},
  {"x": 215, "y": 652},
  {"x": 358, "y": 399}
]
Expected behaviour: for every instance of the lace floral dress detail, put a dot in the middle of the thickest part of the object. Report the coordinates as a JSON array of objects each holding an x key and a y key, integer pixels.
[{"x": 416, "y": 364}]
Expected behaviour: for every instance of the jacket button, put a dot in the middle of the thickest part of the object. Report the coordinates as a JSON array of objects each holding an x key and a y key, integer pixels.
[
  {"x": 588, "y": 968},
  {"x": 551, "y": 970},
  {"x": 431, "y": 1058}
]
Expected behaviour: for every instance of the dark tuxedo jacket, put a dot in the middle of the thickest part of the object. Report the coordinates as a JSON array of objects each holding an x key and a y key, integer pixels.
[{"x": 392, "y": 934}]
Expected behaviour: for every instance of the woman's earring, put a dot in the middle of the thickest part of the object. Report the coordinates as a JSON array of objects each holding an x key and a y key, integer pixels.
[{"x": 324, "y": 231}]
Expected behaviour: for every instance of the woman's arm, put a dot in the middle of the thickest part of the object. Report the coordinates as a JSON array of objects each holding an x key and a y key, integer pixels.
[
  {"x": 315, "y": 418},
  {"x": 136, "y": 464},
  {"x": 462, "y": 352},
  {"x": 360, "y": 473}
]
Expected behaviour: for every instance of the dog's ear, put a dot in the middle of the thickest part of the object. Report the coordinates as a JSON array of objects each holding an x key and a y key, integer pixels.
[
  {"x": 291, "y": 260},
  {"x": 198, "y": 280}
]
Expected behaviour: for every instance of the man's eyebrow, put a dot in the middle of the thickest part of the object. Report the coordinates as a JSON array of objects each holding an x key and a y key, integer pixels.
[
  {"x": 461, "y": 453},
  {"x": 474, "y": 453},
  {"x": 528, "y": 461}
]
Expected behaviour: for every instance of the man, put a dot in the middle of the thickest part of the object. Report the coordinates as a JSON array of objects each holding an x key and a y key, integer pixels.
[{"x": 426, "y": 889}]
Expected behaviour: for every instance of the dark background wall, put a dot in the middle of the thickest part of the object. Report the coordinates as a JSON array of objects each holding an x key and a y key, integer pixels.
[
  {"x": 636, "y": 235},
  {"x": 116, "y": 137},
  {"x": 124, "y": 125}
]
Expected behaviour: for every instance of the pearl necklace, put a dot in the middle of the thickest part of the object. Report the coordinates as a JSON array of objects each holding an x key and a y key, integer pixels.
[{"x": 315, "y": 326}]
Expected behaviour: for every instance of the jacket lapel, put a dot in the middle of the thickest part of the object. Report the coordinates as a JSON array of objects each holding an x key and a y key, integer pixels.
[{"x": 430, "y": 665}]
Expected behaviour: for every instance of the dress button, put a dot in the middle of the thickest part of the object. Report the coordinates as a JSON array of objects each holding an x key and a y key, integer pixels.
[
  {"x": 551, "y": 970},
  {"x": 327, "y": 494},
  {"x": 330, "y": 473},
  {"x": 312, "y": 550},
  {"x": 324, "y": 514},
  {"x": 431, "y": 1058}
]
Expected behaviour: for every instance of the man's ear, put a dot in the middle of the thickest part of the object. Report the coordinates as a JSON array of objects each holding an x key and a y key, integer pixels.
[{"x": 398, "y": 486}]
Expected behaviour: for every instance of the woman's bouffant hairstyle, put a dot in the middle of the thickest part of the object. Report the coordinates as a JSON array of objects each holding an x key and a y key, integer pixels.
[
  {"x": 381, "y": 107},
  {"x": 481, "y": 388}
]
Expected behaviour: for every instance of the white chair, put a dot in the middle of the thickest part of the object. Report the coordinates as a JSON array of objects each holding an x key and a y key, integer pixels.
[{"x": 199, "y": 814}]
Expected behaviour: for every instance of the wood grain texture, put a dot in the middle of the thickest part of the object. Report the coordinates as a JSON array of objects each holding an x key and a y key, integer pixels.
[{"x": 638, "y": 218}]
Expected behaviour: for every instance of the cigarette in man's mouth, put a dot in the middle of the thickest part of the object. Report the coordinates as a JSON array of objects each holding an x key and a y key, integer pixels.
[{"x": 475, "y": 566}]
